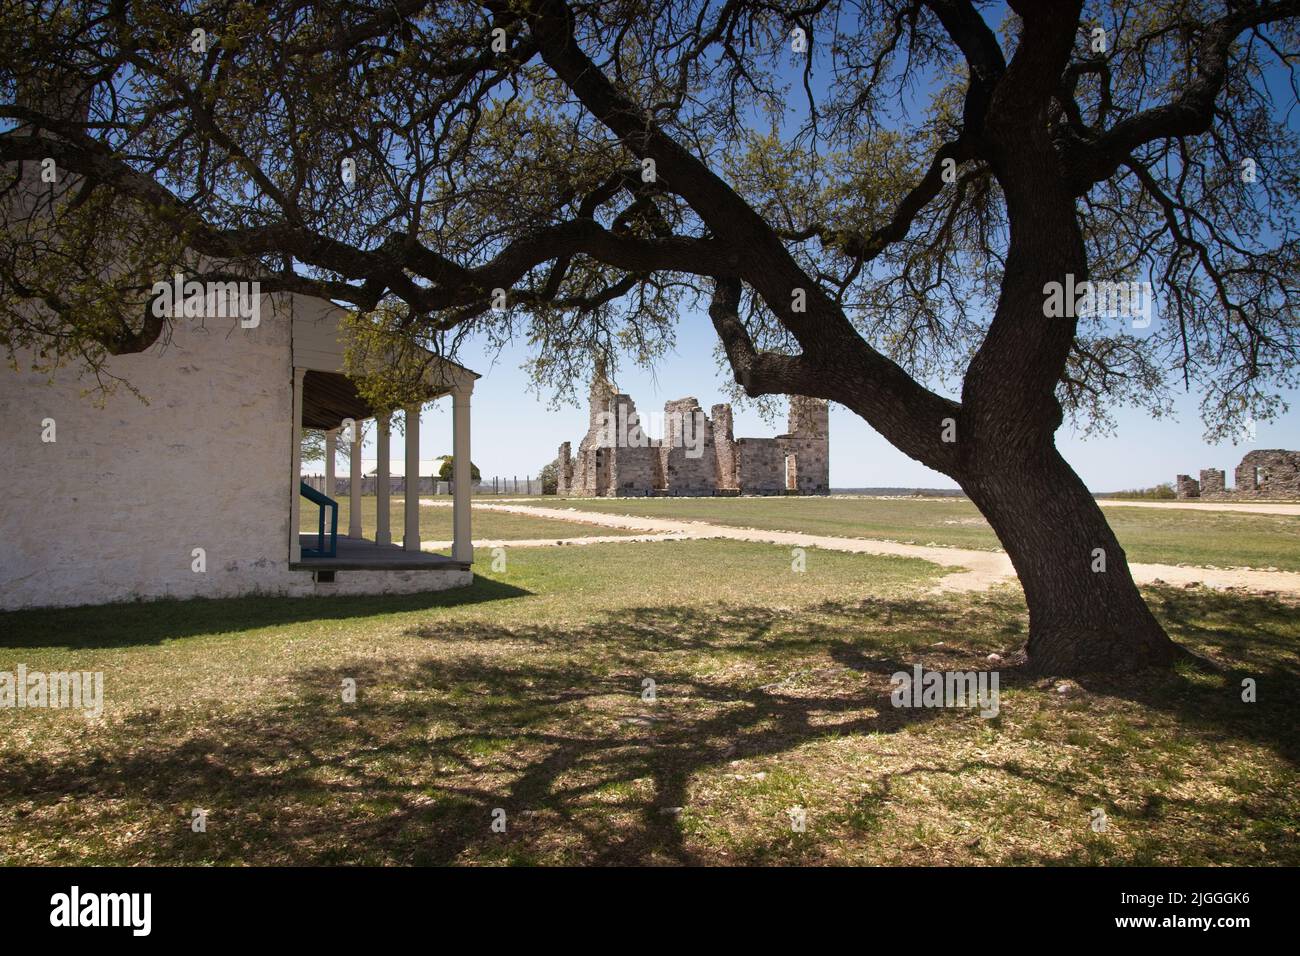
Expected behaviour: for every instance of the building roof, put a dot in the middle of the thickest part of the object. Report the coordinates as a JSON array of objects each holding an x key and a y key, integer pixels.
[
  {"x": 329, "y": 396},
  {"x": 429, "y": 467}
]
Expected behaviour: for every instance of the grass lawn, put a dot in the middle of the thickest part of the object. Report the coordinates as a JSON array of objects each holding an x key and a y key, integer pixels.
[
  {"x": 435, "y": 523},
  {"x": 524, "y": 693},
  {"x": 1148, "y": 535}
]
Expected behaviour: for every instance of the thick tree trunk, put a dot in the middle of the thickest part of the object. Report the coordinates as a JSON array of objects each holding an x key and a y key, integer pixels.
[{"x": 1085, "y": 612}]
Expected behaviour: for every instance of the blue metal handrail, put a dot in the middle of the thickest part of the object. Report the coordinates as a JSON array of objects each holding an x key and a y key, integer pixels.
[{"x": 323, "y": 502}]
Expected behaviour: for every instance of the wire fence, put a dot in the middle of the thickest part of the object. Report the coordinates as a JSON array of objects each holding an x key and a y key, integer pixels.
[{"x": 500, "y": 485}]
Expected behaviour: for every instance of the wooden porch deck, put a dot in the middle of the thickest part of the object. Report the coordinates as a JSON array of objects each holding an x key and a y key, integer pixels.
[{"x": 359, "y": 554}]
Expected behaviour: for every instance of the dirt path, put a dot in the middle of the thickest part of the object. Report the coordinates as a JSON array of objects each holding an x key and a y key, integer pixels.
[
  {"x": 1245, "y": 507},
  {"x": 976, "y": 570}
]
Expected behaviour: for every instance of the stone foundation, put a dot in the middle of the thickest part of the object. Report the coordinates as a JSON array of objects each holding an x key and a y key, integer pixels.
[{"x": 381, "y": 582}]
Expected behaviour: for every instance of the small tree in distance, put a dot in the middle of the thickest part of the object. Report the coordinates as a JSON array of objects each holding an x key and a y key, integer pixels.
[
  {"x": 445, "y": 469},
  {"x": 550, "y": 477}
]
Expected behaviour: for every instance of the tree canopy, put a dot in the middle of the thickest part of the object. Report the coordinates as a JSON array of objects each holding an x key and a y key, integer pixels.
[
  {"x": 448, "y": 464},
  {"x": 593, "y": 167}
]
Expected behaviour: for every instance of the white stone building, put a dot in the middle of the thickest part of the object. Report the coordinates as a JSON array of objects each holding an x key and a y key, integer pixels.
[
  {"x": 118, "y": 504},
  {"x": 196, "y": 493}
]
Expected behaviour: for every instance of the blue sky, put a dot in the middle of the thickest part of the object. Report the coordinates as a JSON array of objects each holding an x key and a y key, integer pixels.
[{"x": 515, "y": 432}]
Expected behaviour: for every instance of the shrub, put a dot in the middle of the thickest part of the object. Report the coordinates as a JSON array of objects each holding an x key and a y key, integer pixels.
[{"x": 444, "y": 473}]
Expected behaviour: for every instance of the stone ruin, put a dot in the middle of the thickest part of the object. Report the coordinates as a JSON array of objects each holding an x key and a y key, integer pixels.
[
  {"x": 1267, "y": 473},
  {"x": 697, "y": 454}
]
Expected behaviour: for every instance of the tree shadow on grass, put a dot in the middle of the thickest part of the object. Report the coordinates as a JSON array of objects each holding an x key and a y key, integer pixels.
[
  {"x": 1241, "y": 637},
  {"x": 411, "y": 772},
  {"x": 547, "y": 723},
  {"x": 152, "y": 622}
]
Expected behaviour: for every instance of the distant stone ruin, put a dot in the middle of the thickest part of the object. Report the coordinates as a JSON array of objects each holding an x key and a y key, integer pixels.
[
  {"x": 696, "y": 454},
  {"x": 1267, "y": 473}
]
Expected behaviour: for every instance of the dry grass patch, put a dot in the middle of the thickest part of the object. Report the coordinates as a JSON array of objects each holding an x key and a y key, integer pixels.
[{"x": 525, "y": 693}]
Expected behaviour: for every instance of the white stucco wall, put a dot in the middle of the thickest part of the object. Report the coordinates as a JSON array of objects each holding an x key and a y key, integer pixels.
[{"x": 113, "y": 509}]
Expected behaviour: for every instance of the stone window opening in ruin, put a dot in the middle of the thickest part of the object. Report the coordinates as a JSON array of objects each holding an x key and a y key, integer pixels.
[{"x": 791, "y": 473}]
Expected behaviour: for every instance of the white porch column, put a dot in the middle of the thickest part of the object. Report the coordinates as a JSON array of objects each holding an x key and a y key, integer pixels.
[
  {"x": 295, "y": 499},
  {"x": 411, "y": 538},
  {"x": 462, "y": 548},
  {"x": 354, "y": 483},
  {"x": 383, "y": 534},
  {"x": 331, "y": 449}
]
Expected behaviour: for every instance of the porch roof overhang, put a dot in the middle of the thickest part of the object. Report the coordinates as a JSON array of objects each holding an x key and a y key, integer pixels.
[{"x": 329, "y": 395}]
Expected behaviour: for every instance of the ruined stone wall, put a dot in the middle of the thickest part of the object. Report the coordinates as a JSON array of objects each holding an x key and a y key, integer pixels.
[
  {"x": 808, "y": 442},
  {"x": 583, "y": 482},
  {"x": 564, "y": 470},
  {"x": 1244, "y": 476},
  {"x": 810, "y": 424},
  {"x": 1269, "y": 473},
  {"x": 1263, "y": 474},
  {"x": 697, "y": 455},
  {"x": 688, "y": 456},
  {"x": 724, "y": 443},
  {"x": 1212, "y": 481},
  {"x": 1185, "y": 486},
  {"x": 799, "y": 458},
  {"x": 591, "y": 467},
  {"x": 634, "y": 470},
  {"x": 809, "y": 418},
  {"x": 760, "y": 466}
]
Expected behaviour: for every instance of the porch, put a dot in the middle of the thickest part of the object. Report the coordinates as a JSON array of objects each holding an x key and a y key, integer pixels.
[
  {"x": 326, "y": 399},
  {"x": 359, "y": 554}
]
